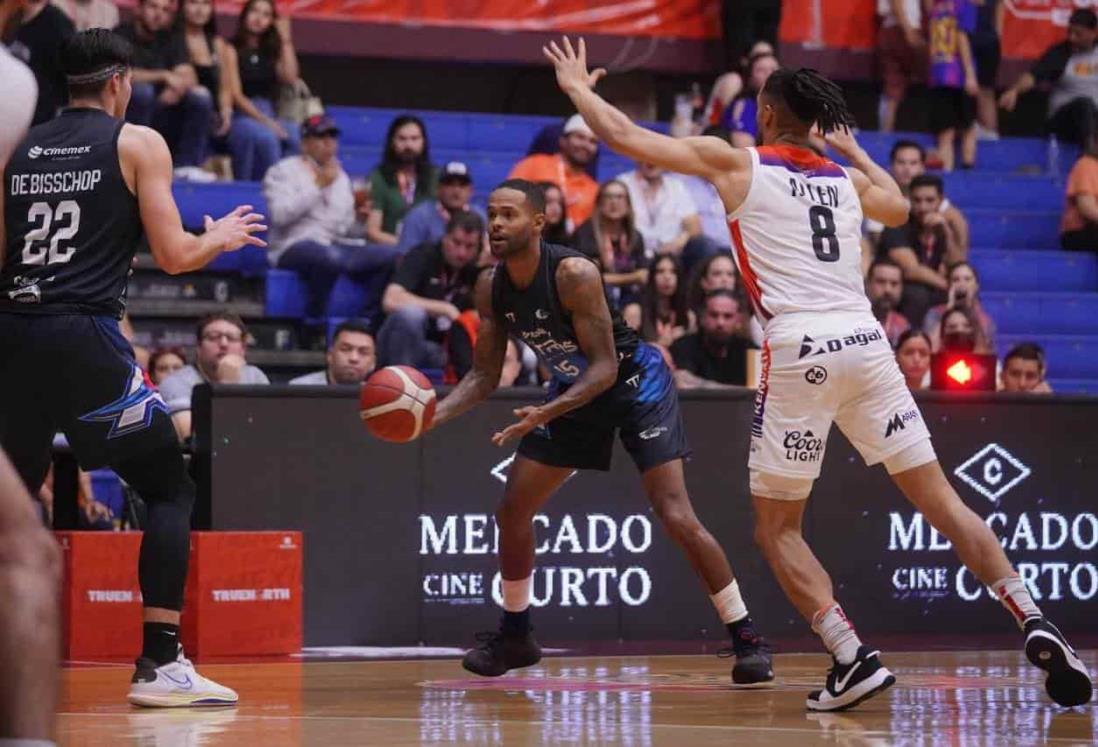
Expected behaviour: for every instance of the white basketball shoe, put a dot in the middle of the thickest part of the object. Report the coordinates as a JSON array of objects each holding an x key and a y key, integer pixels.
[{"x": 175, "y": 685}]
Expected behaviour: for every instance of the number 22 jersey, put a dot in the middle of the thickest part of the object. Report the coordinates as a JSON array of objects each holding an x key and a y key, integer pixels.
[
  {"x": 797, "y": 235},
  {"x": 71, "y": 223}
]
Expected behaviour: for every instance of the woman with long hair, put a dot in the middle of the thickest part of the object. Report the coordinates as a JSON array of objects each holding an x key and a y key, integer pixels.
[
  {"x": 715, "y": 272},
  {"x": 610, "y": 237},
  {"x": 664, "y": 314},
  {"x": 556, "y": 226},
  {"x": 208, "y": 55},
  {"x": 960, "y": 331},
  {"x": 913, "y": 357},
  {"x": 260, "y": 58},
  {"x": 404, "y": 178}
]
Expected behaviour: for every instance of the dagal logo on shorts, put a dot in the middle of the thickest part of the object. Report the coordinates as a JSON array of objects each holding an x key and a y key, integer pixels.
[
  {"x": 803, "y": 447},
  {"x": 859, "y": 338}
]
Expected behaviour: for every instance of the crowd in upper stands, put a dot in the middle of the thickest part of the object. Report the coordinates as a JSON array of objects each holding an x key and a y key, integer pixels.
[{"x": 410, "y": 235}]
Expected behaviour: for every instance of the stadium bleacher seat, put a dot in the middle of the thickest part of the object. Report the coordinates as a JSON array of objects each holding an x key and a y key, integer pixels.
[{"x": 1012, "y": 200}]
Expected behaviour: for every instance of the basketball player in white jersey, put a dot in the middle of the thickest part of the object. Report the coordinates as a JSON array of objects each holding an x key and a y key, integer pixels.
[
  {"x": 795, "y": 220},
  {"x": 30, "y": 563}
]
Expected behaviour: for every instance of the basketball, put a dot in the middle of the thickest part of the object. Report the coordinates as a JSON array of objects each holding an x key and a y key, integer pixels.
[{"x": 397, "y": 404}]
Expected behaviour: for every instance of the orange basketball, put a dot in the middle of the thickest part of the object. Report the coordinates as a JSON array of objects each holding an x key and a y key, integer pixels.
[{"x": 397, "y": 404}]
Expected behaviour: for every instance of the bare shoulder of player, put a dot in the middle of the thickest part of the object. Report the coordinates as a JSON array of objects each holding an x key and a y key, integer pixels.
[
  {"x": 137, "y": 142},
  {"x": 579, "y": 283}
]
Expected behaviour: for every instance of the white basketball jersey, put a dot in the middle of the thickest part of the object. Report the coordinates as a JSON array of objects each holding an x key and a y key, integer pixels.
[{"x": 797, "y": 235}]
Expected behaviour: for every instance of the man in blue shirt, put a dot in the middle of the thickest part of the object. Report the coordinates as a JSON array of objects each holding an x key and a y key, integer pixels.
[{"x": 426, "y": 222}]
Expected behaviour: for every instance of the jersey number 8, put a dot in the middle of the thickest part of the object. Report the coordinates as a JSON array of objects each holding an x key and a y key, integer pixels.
[
  {"x": 824, "y": 241},
  {"x": 57, "y": 254}
]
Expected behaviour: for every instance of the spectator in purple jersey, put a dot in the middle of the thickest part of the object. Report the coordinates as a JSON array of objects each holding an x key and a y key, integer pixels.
[{"x": 953, "y": 83}]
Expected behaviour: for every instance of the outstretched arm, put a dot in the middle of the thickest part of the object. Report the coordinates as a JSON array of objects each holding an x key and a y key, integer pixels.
[
  {"x": 701, "y": 156},
  {"x": 147, "y": 162},
  {"x": 579, "y": 285},
  {"x": 881, "y": 197},
  {"x": 483, "y": 377}
]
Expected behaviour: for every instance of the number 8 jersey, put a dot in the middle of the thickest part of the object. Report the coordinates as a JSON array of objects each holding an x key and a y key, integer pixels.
[
  {"x": 797, "y": 235},
  {"x": 71, "y": 224}
]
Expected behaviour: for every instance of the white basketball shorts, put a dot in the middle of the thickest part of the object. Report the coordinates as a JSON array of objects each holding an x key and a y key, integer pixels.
[{"x": 820, "y": 369}]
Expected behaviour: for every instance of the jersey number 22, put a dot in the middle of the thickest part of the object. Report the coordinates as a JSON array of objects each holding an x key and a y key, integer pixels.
[{"x": 53, "y": 253}]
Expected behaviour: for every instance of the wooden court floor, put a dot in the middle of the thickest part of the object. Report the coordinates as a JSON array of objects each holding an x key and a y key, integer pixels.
[{"x": 961, "y": 699}]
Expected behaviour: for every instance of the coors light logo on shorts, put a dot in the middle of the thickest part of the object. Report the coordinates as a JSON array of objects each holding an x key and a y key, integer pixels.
[{"x": 803, "y": 447}]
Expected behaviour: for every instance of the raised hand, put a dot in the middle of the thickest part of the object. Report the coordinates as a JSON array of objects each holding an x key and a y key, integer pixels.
[
  {"x": 571, "y": 65},
  {"x": 236, "y": 229},
  {"x": 842, "y": 140}
]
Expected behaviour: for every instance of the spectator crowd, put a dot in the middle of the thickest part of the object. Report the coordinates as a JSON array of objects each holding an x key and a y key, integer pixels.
[{"x": 411, "y": 237}]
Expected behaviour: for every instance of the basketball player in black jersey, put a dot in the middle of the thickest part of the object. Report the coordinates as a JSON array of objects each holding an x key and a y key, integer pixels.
[
  {"x": 604, "y": 380},
  {"x": 79, "y": 193}
]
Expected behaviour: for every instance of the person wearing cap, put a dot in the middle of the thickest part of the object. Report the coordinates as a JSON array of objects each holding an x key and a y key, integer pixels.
[
  {"x": 567, "y": 169},
  {"x": 1071, "y": 68},
  {"x": 311, "y": 207},
  {"x": 426, "y": 222}
]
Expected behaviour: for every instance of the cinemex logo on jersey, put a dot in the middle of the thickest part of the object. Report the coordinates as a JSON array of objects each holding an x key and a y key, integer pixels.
[
  {"x": 37, "y": 151},
  {"x": 859, "y": 338}
]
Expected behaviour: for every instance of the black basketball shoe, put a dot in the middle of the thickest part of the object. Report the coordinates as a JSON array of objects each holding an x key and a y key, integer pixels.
[
  {"x": 850, "y": 684},
  {"x": 499, "y": 652},
  {"x": 1067, "y": 682},
  {"x": 754, "y": 659}
]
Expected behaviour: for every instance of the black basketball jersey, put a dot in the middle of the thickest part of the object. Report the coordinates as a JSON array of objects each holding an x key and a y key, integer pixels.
[
  {"x": 535, "y": 316},
  {"x": 71, "y": 223}
]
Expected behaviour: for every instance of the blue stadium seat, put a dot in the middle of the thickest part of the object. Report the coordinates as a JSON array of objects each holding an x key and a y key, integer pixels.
[
  {"x": 1014, "y": 229},
  {"x": 973, "y": 189},
  {"x": 1044, "y": 314},
  {"x": 216, "y": 199},
  {"x": 285, "y": 294},
  {"x": 1074, "y": 386},
  {"x": 347, "y": 299},
  {"x": 1035, "y": 271}
]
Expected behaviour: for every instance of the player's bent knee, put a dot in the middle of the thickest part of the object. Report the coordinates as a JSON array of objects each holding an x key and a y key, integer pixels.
[
  {"x": 780, "y": 487},
  {"x": 915, "y": 455}
]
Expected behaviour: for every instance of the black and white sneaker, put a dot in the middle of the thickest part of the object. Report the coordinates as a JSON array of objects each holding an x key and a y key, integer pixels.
[
  {"x": 498, "y": 653},
  {"x": 1068, "y": 682},
  {"x": 850, "y": 684}
]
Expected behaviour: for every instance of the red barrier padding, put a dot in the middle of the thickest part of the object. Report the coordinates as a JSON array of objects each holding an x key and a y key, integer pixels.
[{"x": 243, "y": 594}]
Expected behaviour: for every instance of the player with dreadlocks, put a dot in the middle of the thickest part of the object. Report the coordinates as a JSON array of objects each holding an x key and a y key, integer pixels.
[{"x": 795, "y": 221}]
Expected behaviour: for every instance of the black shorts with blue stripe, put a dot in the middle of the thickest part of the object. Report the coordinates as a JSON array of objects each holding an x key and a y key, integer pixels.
[
  {"x": 642, "y": 407},
  {"x": 74, "y": 374}
]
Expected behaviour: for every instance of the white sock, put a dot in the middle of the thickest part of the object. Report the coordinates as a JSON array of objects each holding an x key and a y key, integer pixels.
[
  {"x": 1014, "y": 595},
  {"x": 729, "y": 603},
  {"x": 516, "y": 594},
  {"x": 837, "y": 633}
]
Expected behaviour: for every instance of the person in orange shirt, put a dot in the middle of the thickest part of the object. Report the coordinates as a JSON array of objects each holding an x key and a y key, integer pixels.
[
  {"x": 1079, "y": 224},
  {"x": 578, "y": 145}
]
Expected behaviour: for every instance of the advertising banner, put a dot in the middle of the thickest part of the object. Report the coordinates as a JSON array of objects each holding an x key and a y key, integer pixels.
[
  {"x": 683, "y": 19},
  {"x": 403, "y": 540},
  {"x": 1029, "y": 26}
]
